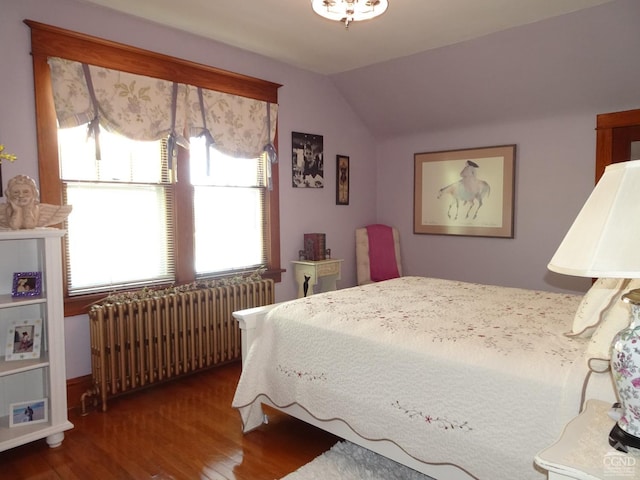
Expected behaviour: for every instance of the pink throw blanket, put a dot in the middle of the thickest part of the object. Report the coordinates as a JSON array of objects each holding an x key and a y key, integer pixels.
[{"x": 382, "y": 253}]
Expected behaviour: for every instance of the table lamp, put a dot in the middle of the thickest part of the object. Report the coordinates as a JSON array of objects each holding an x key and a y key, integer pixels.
[{"x": 604, "y": 242}]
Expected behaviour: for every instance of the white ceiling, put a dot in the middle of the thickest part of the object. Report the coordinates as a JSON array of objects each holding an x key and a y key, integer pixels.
[{"x": 289, "y": 31}]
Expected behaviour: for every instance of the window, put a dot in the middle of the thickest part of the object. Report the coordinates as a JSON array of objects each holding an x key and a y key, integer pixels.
[
  {"x": 127, "y": 196},
  {"x": 121, "y": 231},
  {"x": 228, "y": 208},
  {"x": 219, "y": 204}
]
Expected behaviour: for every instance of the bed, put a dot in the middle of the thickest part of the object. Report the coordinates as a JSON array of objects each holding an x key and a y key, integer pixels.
[{"x": 456, "y": 380}]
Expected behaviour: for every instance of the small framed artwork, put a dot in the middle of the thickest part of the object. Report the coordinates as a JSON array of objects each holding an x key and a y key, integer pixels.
[
  {"x": 342, "y": 180},
  {"x": 307, "y": 159},
  {"x": 28, "y": 413},
  {"x": 27, "y": 284},
  {"x": 465, "y": 192},
  {"x": 23, "y": 340}
]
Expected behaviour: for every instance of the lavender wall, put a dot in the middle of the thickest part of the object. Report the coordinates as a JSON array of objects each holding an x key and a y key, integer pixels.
[
  {"x": 554, "y": 176},
  {"x": 308, "y": 103},
  {"x": 578, "y": 62},
  {"x": 554, "y": 168},
  {"x": 540, "y": 87}
]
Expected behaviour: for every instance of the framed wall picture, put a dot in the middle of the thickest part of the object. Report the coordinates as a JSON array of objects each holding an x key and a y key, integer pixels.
[
  {"x": 465, "y": 192},
  {"x": 27, "y": 284},
  {"x": 24, "y": 338},
  {"x": 342, "y": 180},
  {"x": 307, "y": 159},
  {"x": 28, "y": 413}
]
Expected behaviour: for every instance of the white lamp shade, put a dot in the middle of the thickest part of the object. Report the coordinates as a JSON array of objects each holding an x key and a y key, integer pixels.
[{"x": 604, "y": 240}]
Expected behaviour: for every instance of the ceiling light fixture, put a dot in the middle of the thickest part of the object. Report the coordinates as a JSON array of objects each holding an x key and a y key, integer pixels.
[{"x": 347, "y": 11}]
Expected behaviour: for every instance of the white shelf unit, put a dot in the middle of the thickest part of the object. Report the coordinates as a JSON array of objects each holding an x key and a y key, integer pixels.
[{"x": 23, "y": 381}]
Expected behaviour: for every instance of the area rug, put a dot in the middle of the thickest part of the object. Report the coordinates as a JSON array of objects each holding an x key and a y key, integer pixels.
[{"x": 347, "y": 461}]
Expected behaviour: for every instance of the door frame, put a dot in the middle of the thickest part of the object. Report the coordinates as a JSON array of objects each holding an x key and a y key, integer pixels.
[{"x": 605, "y": 124}]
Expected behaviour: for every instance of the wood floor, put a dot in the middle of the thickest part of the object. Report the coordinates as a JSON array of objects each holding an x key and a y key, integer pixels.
[{"x": 184, "y": 429}]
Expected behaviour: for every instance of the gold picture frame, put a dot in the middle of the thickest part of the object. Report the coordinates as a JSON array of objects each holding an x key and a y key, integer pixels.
[{"x": 467, "y": 192}]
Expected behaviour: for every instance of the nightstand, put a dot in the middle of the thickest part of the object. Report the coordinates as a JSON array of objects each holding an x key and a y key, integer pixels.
[
  {"x": 323, "y": 272},
  {"x": 583, "y": 452}
]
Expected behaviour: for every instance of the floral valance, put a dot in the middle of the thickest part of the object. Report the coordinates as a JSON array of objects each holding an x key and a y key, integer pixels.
[{"x": 146, "y": 108}]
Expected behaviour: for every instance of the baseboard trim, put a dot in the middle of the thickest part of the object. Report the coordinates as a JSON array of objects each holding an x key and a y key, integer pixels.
[{"x": 75, "y": 388}]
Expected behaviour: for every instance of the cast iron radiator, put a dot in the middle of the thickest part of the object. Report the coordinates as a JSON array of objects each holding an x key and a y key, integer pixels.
[{"x": 141, "y": 342}]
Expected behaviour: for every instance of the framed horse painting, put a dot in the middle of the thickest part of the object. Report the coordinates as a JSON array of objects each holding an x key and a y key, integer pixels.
[{"x": 465, "y": 192}]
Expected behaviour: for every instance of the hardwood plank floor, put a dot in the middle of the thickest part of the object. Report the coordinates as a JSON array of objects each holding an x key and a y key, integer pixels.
[{"x": 185, "y": 429}]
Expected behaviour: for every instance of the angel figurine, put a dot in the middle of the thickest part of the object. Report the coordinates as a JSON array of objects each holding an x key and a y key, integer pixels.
[{"x": 23, "y": 209}]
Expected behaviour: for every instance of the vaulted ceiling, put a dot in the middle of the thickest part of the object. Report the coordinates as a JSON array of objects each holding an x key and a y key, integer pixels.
[
  {"x": 289, "y": 31},
  {"x": 392, "y": 69}
]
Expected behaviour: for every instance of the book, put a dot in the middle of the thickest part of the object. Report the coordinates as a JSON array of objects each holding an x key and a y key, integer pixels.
[{"x": 315, "y": 246}]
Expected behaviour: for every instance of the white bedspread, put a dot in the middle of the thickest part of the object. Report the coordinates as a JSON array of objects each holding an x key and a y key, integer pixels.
[{"x": 478, "y": 376}]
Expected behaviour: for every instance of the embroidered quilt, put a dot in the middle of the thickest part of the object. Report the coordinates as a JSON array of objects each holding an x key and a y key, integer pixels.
[{"x": 478, "y": 376}]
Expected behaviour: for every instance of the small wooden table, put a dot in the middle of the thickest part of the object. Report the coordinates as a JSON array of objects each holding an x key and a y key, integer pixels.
[
  {"x": 583, "y": 452},
  {"x": 323, "y": 272}
]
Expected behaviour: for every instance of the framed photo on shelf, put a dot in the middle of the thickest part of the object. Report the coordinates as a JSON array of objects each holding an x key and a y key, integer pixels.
[
  {"x": 27, "y": 284},
  {"x": 465, "y": 192},
  {"x": 28, "y": 413},
  {"x": 342, "y": 180},
  {"x": 23, "y": 340}
]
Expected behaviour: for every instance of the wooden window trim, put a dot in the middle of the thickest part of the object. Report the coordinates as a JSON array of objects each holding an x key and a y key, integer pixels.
[
  {"x": 605, "y": 124},
  {"x": 48, "y": 41}
]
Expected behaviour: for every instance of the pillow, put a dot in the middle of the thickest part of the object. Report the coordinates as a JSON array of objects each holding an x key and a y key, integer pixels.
[
  {"x": 614, "y": 319},
  {"x": 602, "y": 295}
]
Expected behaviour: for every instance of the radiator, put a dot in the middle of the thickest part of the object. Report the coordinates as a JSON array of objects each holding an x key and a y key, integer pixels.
[{"x": 138, "y": 343}]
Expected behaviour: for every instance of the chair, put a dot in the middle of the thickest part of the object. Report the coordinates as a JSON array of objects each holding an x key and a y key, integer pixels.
[{"x": 377, "y": 253}]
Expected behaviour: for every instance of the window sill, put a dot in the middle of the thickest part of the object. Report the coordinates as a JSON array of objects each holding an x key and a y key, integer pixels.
[{"x": 81, "y": 304}]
